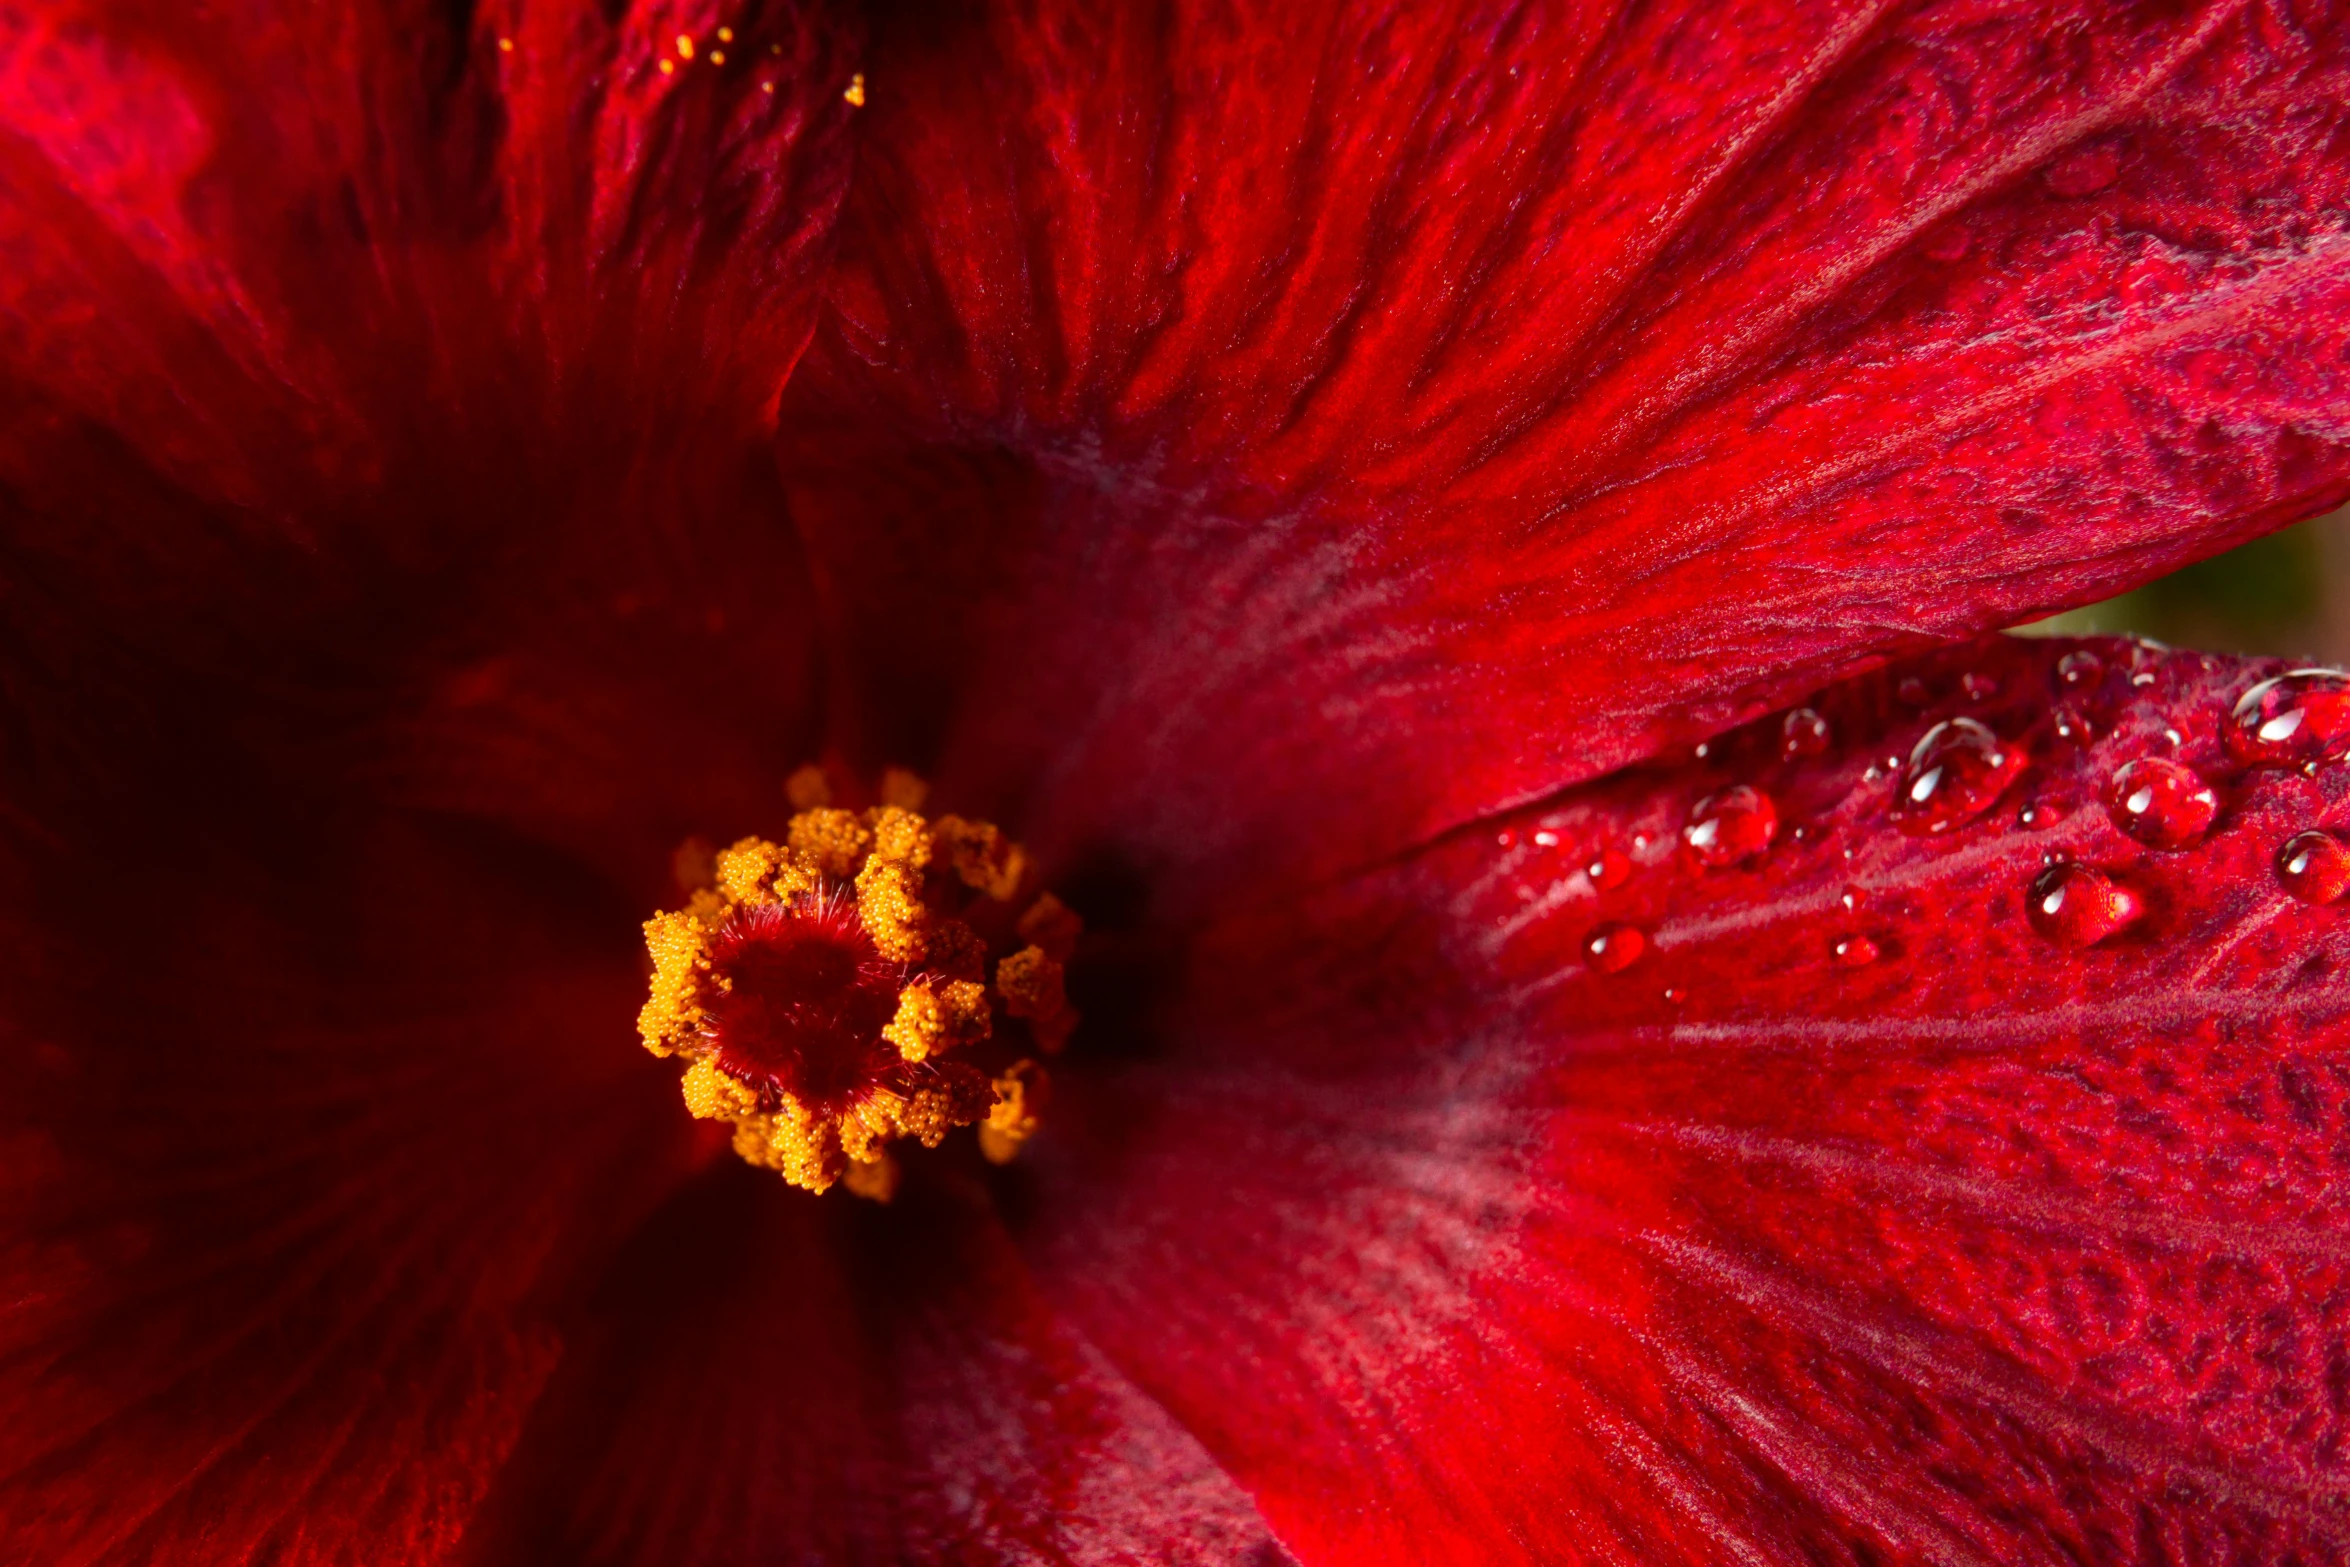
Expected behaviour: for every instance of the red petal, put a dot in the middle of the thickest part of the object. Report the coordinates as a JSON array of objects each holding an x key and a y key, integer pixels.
[
  {"x": 766, "y": 1378},
  {"x": 291, "y": 1162},
  {"x": 1989, "y": 1249},
  {"x": 409, "y": 377},
  {"x": 1321, "y": 426}
]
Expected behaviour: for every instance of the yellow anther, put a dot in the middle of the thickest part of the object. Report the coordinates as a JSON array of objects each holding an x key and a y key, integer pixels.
[
  {"x": 685, "y": 46},
  {"x": 936, "y": 1017},
  {"x": 982, "y": 856},
  {"x": 694, "y": 864},
  {"x": 829, "y": 997},
  {"x": 889, "y": 901},
  {"x": 834, "y": 842},
  {"x": 1013, "y": 1119},
  {"x": 903, "y": 789},
  {"x": 856, "y": 93},
  {"x": 1031, "y": 984},
  {"x": 1050, "y": 924},
  {"x": 808, "y": 789},
  {"x": 873, "y": 1179}
]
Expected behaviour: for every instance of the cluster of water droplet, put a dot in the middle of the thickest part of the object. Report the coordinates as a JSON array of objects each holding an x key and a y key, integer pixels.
[{"x": 1961, "y": 767}]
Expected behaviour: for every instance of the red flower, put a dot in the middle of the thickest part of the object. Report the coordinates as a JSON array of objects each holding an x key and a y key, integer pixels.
[{"x": 1313, "y": 474}]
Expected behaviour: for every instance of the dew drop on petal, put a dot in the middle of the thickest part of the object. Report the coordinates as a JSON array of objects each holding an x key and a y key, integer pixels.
[
  {"x": 2314, "y": 867},
  {"x": 1978, "y": 688},
  {"x": 1855, "y": 951},
  {"x": 1607, "y": 869},
  {"x": 2074, "y": 906},
  {"x": 1546, "y": 839},
  {"x": 1803, "y": 733},
  {"x": 2072, "y": 726},
  {"x": 1913, "y": 691},
  {"x": 2079, "y": 668},
  {"x": 1506, "y": 839},
  {"x": 1675, "y": 994},
  {"x": 1613, "y": 948},
  {"x": 1731, "y": 825},
  {"x": 2292, "y": 720},
  {"x": 1953, "y": 776},
  {"x": 1853, "y": 898},
  {"x": 2160, "y": 803}
]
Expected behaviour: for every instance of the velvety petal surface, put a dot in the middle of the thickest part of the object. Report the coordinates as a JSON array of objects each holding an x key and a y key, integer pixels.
[
  {"x": 1264, "y": 435},
  {"x": 764, "y": 1376},
  {"x": 437, "y": 345},
  {"x": 1455, "y": 1244}
]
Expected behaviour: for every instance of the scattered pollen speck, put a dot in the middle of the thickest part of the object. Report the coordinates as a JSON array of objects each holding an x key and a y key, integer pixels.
[
  {"x": 685, "y": 46},
  {"x": 766, "y": 87},
  {"x": 717, "y": 57},
  {"x": 775, "y": 48},
  {"x": 726, "y": 35},
  {"x": 668, "y": 67},
  {"x": 856, "y": 93},
  {"x": 505, "y": 46}
]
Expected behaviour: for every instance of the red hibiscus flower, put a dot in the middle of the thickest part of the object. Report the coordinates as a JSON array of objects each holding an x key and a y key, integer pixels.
[{"x": 1615, "y": 1031}]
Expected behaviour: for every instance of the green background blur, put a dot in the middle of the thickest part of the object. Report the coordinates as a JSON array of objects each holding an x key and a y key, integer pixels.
[{"x": 2288, "y": 593}]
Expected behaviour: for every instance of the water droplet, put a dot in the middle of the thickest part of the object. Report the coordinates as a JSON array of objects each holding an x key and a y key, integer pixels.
[
  {"x": 1872, "y": 773},
  {"x": 2160, "y": 803},
  {"x": 2293, "y": 720},
  {"x": 2072, "y": 726},
  {"x": 1506, "y": 838},
  {"x": 2142, "y": 678},
  {"x": 1639, "y": 841},
  {"x": 1956, "y": 773},
  {"x": 2075, "y": 906},
  {"x": 2029, "y": 816},
  {"x": 1731, "y": 825},
  {"x": 1853, "y": 898},
  {"x": 1675, "y": 994},
  {"x": 1978, "y": 688},
  {"x": 1608, "y": 869},
  {"x": 2314, "y": 867},
  {"x": 2172, "y": 737},
  {"x": 2079, "y": 668},
  {"x": 1855, "y": 951},
  {"x": 1803, "y": 733},
  {"x": 1613, "y": 948},
  {"x": 1704, "y": 749},
  {"x": 1547, "y": 838},
  {"x": 1913, "y": 691}
]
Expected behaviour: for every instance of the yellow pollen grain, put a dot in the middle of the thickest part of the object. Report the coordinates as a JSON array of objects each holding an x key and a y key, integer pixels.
[
  {"x": 717, "y": 57},
  {"x": 934, "y": 1017},
  {"x": 668, "y": 67},
  {"x": 1013, "y": 1118},
  {"x": 770, "y": 87},
  {"x": 982, "y": 856},
  {"x": 834, "y": 842},
  {"x": 726, "y": 35},
  {"x": 685, "y": 46},
  {"x": 505, "y": 46},
  {"x": 856, "y": 93}
]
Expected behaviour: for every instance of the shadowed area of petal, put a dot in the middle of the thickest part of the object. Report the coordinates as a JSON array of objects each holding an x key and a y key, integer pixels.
[
  {"x": 1859, "y": 1215},
  {"x": 1473, "y": 398},
  {"x": 301, "y": 1138},
  {"x": 420, "y": 356},
  {"x": 766, "y": 1377}
]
